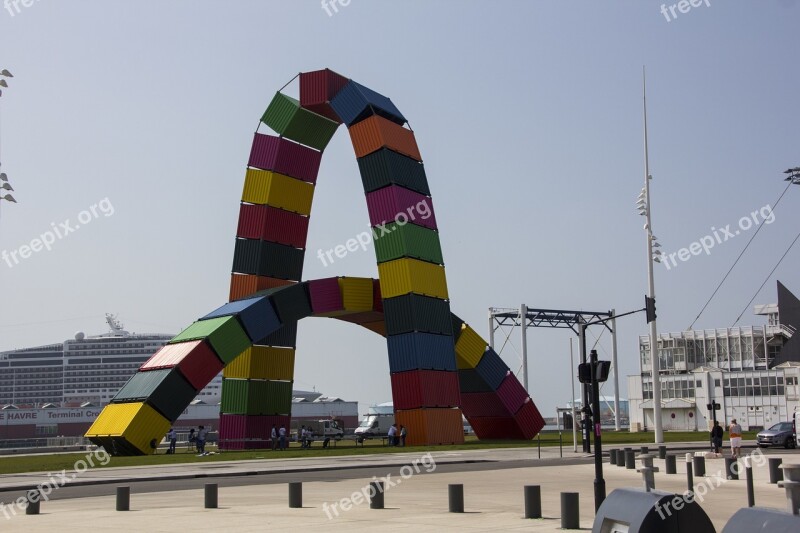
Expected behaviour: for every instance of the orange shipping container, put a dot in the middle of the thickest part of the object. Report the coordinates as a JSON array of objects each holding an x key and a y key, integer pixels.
[
  {"x": 431, "y": 426},
  {"x": 244, "y": 285},
  {"x": 376, "y": 132}
]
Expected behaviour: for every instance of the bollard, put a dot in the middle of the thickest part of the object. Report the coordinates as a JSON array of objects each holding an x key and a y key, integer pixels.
[
  {"x": 539, "y": 443},
  {"x": 699, "y": 465},
  {"x": 630, "y": 459},
  {"x": 33, "y": 499},
  {"x": 211, "y": 495},
  {"x": 570, "y": 511},
  {"x": 689, "y": 478},
  {"x": 123, "y": 498},
  {"x": 775, "y": 472},
  {"x": 731, "y": 468},
  {"x": 792, "y": 487},
  {"x": 295, "y": 495},
  {"x": 672, "y": 466},
  {"x": 560, "y": 445},
  {"x": 376, "y": 495},
  {"x": 644, "y": 449},
  {"x": 612, "y": 456},
  {"x": 648, "y": 472},
  {"x": 533, "y": 501},
  {"x": 662, "y": 452},
  {"x": 748, "y": 472},
  {"x": 455, "y": 497}
]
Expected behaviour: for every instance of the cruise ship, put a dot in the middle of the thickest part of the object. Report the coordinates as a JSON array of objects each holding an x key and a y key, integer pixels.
[{"x": 86, "y": 370}]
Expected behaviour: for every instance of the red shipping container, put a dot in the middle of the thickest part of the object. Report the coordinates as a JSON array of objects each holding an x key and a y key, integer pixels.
[
  {"x": 377, "y": 327},
  {"x": 252, "y": 219},
  {"x": 425, "y": 388},
  {"x": 325, "y": 296},
  {"x": 285, "y": 157},
  {"x": 482, "y": 404},
  {"x": 529, "y": 420},
  {"x": 512, "y": 394},
  {"x": 318, "y": 88},
  {"x": 272, "y": 224},
  {"x": 195, "y": 360},
  {"x": 495, "y": 427},
  {"x": 395, "y": 203},
  {"x": 240, "y": 432}
]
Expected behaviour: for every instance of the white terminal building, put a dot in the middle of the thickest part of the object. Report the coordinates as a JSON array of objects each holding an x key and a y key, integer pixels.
[{"x": 752, "y": 372}]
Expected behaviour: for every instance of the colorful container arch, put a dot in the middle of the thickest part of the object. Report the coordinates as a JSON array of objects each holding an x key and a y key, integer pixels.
[{"x": 440, "y": 367}]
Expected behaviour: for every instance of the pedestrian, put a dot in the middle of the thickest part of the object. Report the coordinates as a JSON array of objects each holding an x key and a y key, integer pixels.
[
  {"x": 716, "y": 437},
  {"x": 736, "y": 438},
  {"x": 274, "y": 437},
  {"x": 173, "y": 438},
  {"x": 403, "y": 434},
  {"x": 282, "y": 437},
  {"x": 192, "y": 439},
  {"x": 301, "y": 436},
  {"x": 202, "y": 434},
  {"x": 392, "y": 433}
]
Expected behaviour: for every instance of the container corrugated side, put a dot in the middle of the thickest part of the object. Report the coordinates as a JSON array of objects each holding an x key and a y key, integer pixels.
[
  {"x": 256, "y": 397},
  {"x": 470, "y": 381},
  {"x": 280, "y": 261},
  {"x": 396, "y": 203},
  {"x": 245, "y": 285},
  {"x": 408, "y": 240},
  {"x": 265, "y": 187},
  {"x": 529, "y": 420},
  {"x": 285, "y": 227},
  {"x": 469, "y": 348},
  {"x": 318, "y": 88},
  {"x": 431, "y": 426},
  {"x": 386, "y": 167},
  {"x": 291, "y": 303},
  {"x": 403, "y": 276},
  {"x": 412, "y": 312},
  {"x": 239, "y": 432},
  {"x": 492, "y": 369},
  {"x": 354, "y": 102},
  {"x": 356, "y": 294},
  {"x": 482, "y": 404},
  {"x": 375, "y": 132},
  {"x": 252, "y": 221},
  {"x": 285, "y": 116},
  {"x": 246, "y": 255},
  {"x": 512, "y": 394},
  {"x": 194, "y": 359},
  {"x": 421, "y": 351},
  {"x": 263, "y": 362},
  {"x": 128, "y": 428},
  {"x": 225, "y": 335},
  {"x": 325, "y": 297},
  {"x": 425, "y": 388},
  {"x": 286, "y": 336},
  {"x": 285, "y": 157},
  {"x": 495, "y": 427}
]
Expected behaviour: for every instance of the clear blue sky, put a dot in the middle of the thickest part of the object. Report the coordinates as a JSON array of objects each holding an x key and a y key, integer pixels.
[{"x": 528, "y": 116}]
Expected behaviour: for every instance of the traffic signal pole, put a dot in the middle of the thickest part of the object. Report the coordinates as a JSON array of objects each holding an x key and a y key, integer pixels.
[{"x": 599, "y": 482}]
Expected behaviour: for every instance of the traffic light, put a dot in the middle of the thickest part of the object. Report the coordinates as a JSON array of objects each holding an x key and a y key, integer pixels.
[
  {"x": 601, "y": 372},
  {"x": 650, "y": 308},
  {"x": 715, "y": 406}
]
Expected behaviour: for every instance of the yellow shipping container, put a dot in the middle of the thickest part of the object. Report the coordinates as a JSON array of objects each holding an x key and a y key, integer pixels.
[
  {"x": 356, "y": 294},
  {"x": 136, "y": 423},
  {"x": 469, "y": 348},
  {"x": 271, "y": 188},
  {"x": 262, "y": 362},
  {"x": 406, "y": 275}
]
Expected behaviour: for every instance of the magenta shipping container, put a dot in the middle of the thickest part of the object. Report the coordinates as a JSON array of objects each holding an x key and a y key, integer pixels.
[
  {"x": 271, "y": 224},
  {"x": 240, "y": 432},
  {"x": 400, "y": 204},
  {"x": 318, "y": 88},
  {"x": 529, "y": 420},
  {"x": 285, "y": 157},
  {"x": 512, "y": 393},
  {"x": 325, "y": 296}
]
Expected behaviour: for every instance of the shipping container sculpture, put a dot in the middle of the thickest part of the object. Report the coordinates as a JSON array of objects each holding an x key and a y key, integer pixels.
[{"x": 439, "y": 365}]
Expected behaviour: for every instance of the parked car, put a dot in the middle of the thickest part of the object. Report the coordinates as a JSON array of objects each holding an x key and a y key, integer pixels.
[{"x": 781, "y": 434}]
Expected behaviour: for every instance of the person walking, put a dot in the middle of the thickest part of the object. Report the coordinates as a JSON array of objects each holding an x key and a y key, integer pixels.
[
  {"x": 392, "y": 434},
  {"x": 403, "y": 434},
  {"x": 736, "y": 438},
  {"x": 716, "y": 437},
  {"x": 282, "y": 437},
  {"x": 172, "y": 437},
  {"x": 192, "y": 440},
  {"x": 274, "y": 437},
  {"x": 202, "y": 434}
]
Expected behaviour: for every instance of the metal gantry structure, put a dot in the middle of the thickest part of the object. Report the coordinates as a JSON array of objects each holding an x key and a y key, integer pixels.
[{"x": 578, "y": 321}]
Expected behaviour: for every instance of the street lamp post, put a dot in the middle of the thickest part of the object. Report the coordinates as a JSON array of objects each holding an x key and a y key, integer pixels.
[{"x": 645, "y": 208}]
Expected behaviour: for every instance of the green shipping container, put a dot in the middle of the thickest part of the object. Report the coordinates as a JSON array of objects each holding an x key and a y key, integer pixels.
[
  {"x": 225, "y": 334},
  {"x": 287, "y": 118},
  {"x": 408, "y": 240},
  {"x": 255, "y": 397}
]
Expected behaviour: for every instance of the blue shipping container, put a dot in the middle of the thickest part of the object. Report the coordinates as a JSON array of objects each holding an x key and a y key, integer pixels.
[
  {"x": 421, "y": 351},
  {"x": 356, "y": 102},
  {"x": 257, "y": 316},
  {"x": 492, "y": 369}
]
